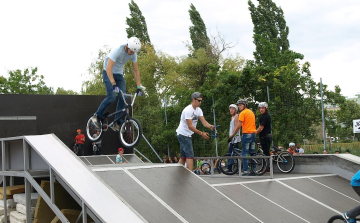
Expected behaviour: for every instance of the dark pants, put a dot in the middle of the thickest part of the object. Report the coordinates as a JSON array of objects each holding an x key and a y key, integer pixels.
[
  {"x": 265, "y": 142},
  {"x": 230, "y": 149},
  {"x": 355, "y": 211},
  {"x": 81, "y": 149}
]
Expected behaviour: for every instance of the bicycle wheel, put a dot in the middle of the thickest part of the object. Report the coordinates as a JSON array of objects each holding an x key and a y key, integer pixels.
[
  {"x": 130, "y": 133},
  {"x": 91, "y": 130},
  {"x": 205, "y": 168},
  {"x": 228, "y": 166},
  {"x": 258, "y": 165},
  {"x": 336, "y": 218},
  {"x": 285, "y": 162}
]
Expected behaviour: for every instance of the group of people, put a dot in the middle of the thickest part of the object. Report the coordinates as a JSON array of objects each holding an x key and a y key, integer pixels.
[
  {"x": 80, "y": 141},
  {"x": 170, "y": 160},
  {"x": 295, "y": 150}
]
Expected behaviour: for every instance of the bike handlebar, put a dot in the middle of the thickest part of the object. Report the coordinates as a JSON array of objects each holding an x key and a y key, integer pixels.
[{"x": 216, "y": 131}]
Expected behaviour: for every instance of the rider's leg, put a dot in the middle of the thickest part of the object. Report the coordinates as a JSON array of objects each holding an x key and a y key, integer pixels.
[
  {"x": 110, "y": 96},
  {"x": 186, "y": 151},
  {"x": 355, "y": 211},
  {"x": 120, "y": 82},
  {"x": 245, "y": 144}
]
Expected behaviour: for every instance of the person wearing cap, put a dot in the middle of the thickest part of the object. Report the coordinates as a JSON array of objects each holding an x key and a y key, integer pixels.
[
  {"x": 119, "y": 157},
  {"x": 264, "y": 130},
  {"x": 187, "y": 127},
  {"x": 114, "y": 81},
  {"x": 79, "y": 141},
  {"x": 234, "y": 120},
  {"x": 248, "y": 139}
]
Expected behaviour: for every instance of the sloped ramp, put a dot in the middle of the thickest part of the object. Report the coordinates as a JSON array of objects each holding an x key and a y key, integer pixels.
[
  {"x": 99, "y": 198},
  {"x": 171, "y": 193}
]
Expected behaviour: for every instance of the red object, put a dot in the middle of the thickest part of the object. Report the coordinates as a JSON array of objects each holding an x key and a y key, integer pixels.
[
  {"x": 78, "y": 139},
  {"x": 120, "y": 149},
  {"x": 79, "y": 130}
]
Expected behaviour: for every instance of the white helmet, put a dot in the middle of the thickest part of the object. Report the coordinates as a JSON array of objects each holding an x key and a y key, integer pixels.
[
  {"x": 134, "y": 44},
  {"x": 234, "y": 106},
  {"x": 263, "y": 105},
  {"x": 291, "y": 144}
]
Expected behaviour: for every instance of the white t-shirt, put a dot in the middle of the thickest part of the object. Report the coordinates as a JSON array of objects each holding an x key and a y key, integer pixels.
[
  {"x": 188, "y": 113},
  {"x": 301, "y": 150}
]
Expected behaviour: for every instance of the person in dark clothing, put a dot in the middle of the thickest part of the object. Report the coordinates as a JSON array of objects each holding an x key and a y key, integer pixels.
[{"x": 264, "y": 130}]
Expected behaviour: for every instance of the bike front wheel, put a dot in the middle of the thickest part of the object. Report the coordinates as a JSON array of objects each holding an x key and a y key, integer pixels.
[
  {"x": 258, "y": 165},
  {"x": 91, "y": 130},
  {"x": 130, "y": 133},
  {"x": 228, "y": 166},
  {"x": 336, "y": 218},
  {"x": 205, "y": 168},
  {"x": 285, "y": 162}
]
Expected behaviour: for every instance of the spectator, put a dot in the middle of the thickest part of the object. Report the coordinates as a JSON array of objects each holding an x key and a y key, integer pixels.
[
  {"x": 188, "y": 121},
  {"x": 165, "y": 160},
  {"x": 291, "y": 148},
  {"x": 347, "y": 151},
  {"x": 119, "y": 157},
  {"x": 325, "y": 151},
  {"x": 264, "y": 130},
  {"x": 298, "y": 149},
  {"x": 337, "y": 152},
  {"x": 198, "y": 165},
  {"x": 97, "y": 144},
  {"x": 79, "y": 141},
  {"x": 248, "y": 139},
  {"x": 315, "y": 152},
  {"x": 176, "y": 159},
  {"x": 170, "y": 160}
]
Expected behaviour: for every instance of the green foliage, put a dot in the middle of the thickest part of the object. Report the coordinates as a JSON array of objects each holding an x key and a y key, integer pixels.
[
  {"x": 24, "y": 82},
  {"x": 137, "y": 24},
  {"x": 93, "y": 85},
  {"x": 198, "y": 33},
  {"x": 62, "y": 91}
]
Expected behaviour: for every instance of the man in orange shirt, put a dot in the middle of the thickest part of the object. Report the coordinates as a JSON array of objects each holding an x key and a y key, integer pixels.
[
  {"x": 248, "y": 139},
  {"x": 79, "y": 141}
]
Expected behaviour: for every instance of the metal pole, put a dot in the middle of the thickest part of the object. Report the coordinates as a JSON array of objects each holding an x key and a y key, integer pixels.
[
  {"x": 152, "y": 148},
  {"x": 166, "y": 124},
  {"x": 216, "y": 144},
  {"x": 322, "y": 109},
  {"x": 268, "y": 95}
]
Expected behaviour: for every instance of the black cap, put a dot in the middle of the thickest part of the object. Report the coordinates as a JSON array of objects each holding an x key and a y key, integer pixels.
[{"x": 196, "y": 95}]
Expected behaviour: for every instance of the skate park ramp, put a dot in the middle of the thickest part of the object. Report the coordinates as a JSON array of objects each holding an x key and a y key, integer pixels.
[{"x": 143, "y": 192}]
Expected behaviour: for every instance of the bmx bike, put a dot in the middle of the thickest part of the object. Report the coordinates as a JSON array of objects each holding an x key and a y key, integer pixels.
[
  {"x": 257, "y": 165},
  {"x": 340, "y": 218},
  {"x": 130, "y": 131},
  {"x": 284, "y": 160}
]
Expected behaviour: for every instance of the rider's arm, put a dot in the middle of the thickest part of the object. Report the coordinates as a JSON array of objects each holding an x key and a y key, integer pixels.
[
  {"x": 205, "y": 123},
  {"x": 261, "y": 127},
  {"x": 192, "y": 128},
  {"x": 136, "y": 73},
  {"x": 236, "y": 129},
  {"x": 109, "y": 72}
]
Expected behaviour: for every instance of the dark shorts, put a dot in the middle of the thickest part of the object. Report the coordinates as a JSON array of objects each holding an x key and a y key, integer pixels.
[{"x": 186, "y": 149}]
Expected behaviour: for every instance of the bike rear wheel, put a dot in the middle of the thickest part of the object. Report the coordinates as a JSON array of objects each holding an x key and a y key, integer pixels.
[
  {"x": 258, "y": 165},
  {"x": 75, "y": 149},
  {"x": 228, "y": 166},
  {"x": 285, "y": 162},
  {"x": 91, "y": 130},
  {"x": 205, "y": 168},
  {"x": 130, "y": 133},
  {"x": 336, "y": 218}
]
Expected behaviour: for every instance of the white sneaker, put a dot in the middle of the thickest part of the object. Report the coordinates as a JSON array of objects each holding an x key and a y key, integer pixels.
[
  {"x": 95, "y": 120},
  {"x": 116, "y": 127}
]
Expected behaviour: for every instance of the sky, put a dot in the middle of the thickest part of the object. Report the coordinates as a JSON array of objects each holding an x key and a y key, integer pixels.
[{"x": 62, "y": 38}]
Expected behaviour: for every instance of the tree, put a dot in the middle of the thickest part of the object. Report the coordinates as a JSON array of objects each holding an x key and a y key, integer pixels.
[
  {"x": 62, "y": 91},
  {"x": 137, "y": 24},
  {"x": 24, "y": 82},
  {"x": 198, "y": 33},
  {"x": 349, "y": 111},
  {"x": 94, "y": 84}
]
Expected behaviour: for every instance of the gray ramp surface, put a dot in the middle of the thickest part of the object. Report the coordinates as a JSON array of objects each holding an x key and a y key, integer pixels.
[
  {"x": 292, "y": 201},
  {"x": 339, "y": 184},
  {"x": 99, "y": 160},
  {"x": 145, "y": 204},
  {"x": 132, "y": 158},
  {"x": 190, "y": 196},
  {"x": 322, "y": 194},
  {"x": 258, "y": 205}
]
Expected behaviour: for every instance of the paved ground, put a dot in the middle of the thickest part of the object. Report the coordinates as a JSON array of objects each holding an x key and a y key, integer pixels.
[{"x": 170, "y": 193}]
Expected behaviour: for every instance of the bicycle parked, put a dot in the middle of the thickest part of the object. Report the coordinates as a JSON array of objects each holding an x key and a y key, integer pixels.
[
  {"x": 257, "y": 166},
  {"x": 130, "y": 132},
  {"x": 339, "y": 218},
  {"x": 284, "y": 160}
]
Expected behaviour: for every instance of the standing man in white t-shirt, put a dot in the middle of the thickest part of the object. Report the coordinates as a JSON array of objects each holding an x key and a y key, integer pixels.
[
  {"x": 234, "y": 120},
  {"x": 188, "y": 121},
  {"x": 113, "y": 77}
]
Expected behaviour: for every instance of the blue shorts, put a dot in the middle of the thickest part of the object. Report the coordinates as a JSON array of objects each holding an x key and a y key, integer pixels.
[{"x": 186, "y": 149}]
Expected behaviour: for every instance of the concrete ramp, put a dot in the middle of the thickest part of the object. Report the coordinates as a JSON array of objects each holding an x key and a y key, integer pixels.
[
  {"x": 106, "y": 204},
  {"x": 171, "y": 193}
]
